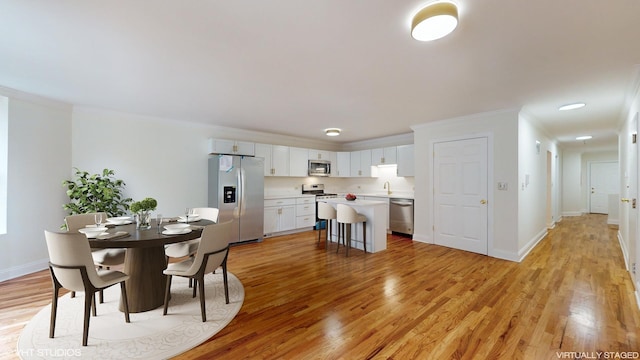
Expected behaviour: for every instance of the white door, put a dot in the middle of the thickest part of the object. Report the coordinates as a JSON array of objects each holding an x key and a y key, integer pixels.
[
  {"x": 604, "y": 180},
  {"x": 632, "y": 195},
  {"x": 460, "y": 194}
]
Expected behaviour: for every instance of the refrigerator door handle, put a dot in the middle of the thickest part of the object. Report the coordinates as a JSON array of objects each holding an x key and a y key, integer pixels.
[{"x": 241, "y": 183}]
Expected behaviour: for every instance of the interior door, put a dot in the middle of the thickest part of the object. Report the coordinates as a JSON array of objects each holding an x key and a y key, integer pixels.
[
  {"x": 604, "y": 180},
  {"x": 632, "y": 195},
  {"x": 460, "y": 194}
]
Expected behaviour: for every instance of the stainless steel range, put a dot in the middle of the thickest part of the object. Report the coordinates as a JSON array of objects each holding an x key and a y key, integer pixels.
[{"x": 318, "y": 191}]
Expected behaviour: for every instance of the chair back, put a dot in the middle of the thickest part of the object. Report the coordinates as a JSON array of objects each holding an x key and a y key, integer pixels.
[
  {"x": 79, "y": 221},
  {"x": 347, "y": 214},
  {"x": 326, "y": 211},
  {"x": 207, "y": 213},
  {"x": 214, "y": 246},
  {"x": 70, "y": 250}
]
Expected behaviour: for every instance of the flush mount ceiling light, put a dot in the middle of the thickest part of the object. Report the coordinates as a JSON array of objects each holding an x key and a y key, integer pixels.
[
  {"x": 586, "y": 137},
  {"x": 571, "y": 106},
  {"x": 434, "y": 21},
  {"x": 332, "y": 131}
]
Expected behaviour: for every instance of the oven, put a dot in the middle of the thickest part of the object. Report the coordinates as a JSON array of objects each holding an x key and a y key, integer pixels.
[{"x": 318, "y": 191}]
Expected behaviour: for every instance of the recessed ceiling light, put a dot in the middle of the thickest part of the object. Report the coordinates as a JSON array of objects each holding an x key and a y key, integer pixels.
[
  {"x": 571, "y": 106},
  {"x": 434, "y": 21},
  {"x": 332, "y": 131},
  {"x": 586, "y": 137}
]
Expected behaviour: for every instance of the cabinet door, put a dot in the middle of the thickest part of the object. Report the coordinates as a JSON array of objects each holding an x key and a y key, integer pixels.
[
  {"x": 405, "y": 160},
  {"x": 342, "y": 166},
  {"x": 271, "y": 219},
  {"x": 264, "y": 151},
  {"x": 280, "y": 160},
  {"x": 220, "y": 146},
  {"x": 365, "y": 163},
  {"x": 377, "y": 157},
  {"x": 287, "y": 218},
  {"x": 319, "y": 154},
  {"x": 390, "y": 155},
  {"x": 298, "y": 161},
  {"x": 356, "y": 171},
  {"x": 244, "y": 148}
]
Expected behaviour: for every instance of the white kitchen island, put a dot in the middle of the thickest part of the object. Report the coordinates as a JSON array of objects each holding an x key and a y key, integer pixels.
[{"x": 376, "y": 213}]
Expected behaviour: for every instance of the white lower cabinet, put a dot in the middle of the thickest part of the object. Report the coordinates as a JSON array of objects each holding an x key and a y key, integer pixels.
[
  {"x": 279, "y": 215},
  {"x": 288, "y": 214}
]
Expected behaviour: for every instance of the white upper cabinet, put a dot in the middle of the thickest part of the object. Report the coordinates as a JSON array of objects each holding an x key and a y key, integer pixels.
[
  {"x": 320, "y": 154},
  {"x": 405, "y": 160},
  {"x": 298, "y": 161},
  {"x": 384, "y": 156},
  {"x": 276, "y": 159},
  {"x": 231, "y": 147},
  {"x": 342, "y": 166},
  {"x": 361, "y": 163}
]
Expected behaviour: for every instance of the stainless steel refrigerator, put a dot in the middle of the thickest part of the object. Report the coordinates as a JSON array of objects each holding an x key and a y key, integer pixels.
[{"x": 236, "y": 188}]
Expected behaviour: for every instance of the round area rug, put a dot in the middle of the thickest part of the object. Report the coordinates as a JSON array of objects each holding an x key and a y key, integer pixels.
[{"x": 149, "y": 335}]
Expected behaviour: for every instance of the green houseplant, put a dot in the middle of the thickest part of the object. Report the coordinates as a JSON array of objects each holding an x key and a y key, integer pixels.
[
  {"x": 96, "y": 193},
  {"x": 143, "y": 209}
]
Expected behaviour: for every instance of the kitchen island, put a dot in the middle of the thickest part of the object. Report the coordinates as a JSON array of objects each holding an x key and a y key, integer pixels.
[{"x": 376, "y": 213}]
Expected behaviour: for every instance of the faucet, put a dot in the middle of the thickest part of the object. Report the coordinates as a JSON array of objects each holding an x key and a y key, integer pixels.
[{"x": 387, "y": 186}]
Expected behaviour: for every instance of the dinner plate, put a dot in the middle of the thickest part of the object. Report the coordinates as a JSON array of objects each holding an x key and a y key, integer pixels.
[
  {"x": 93, "y": 232},
  {"x": 192, "y": 218},
  {"x": 120, "y": 220},
  {"x": 177, "y": 232}
]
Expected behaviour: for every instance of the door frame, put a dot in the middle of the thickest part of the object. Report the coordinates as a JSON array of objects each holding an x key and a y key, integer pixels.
[
  {"x": 589, "y": 167},
  {"x": 490, "y": 182}
]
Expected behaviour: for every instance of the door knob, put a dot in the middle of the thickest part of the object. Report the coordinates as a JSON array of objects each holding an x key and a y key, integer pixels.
[
  {"x": 483, "y": 201},
  {"x": 624, "y": 200}
]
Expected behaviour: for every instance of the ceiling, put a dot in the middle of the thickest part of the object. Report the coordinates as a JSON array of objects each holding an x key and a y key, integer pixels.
[{"x": 297, "y": 67}]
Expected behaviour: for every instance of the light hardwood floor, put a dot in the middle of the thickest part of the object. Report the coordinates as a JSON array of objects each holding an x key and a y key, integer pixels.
[{"x": 412, "y": 301}]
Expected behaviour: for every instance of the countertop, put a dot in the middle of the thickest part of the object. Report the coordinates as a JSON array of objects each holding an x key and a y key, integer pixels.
[
  {"x": 357, "y": 202},
  {"x": 388, "y": 196},
  {"x": 287, "y": 196}
]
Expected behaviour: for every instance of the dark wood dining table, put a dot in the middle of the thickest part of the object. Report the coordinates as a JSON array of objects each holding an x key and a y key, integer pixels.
[{"x": 145, "y": 261}]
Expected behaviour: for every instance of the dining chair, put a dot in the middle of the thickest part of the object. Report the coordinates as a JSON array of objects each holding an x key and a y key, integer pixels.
[
  {"x": 188, "y": 248},
  {"x": 329, "y": 213},
  {"x": 212, "y": 253},
  {"x": 71, "y": 267},
  {"x": 101, "y": 257},
  {"x": 347, "y": 215}
]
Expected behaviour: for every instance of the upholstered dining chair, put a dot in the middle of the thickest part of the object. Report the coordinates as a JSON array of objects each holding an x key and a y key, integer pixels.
[
  {"x": 72, "y": 268},
  {"x": 346, "y": 215},
  {"x": 188, "y": 248},
  {"x": 212, "y": 253},
  {"x": 101, "y": 257},
  {"x": 327, "y": 212}
]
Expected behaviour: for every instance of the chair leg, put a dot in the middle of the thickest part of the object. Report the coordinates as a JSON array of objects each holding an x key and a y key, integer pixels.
[
  {"x": 348, "y": 238},
  {"x": 203, "y": 309},
  {"x": 364, "y": 235},
  {"x": 226, "y": 282},
  {"x": 125, "y": 301},
  {"x": 166, "y": 295},
  {"x": 54, "y": 310},
  {"x": 93, "y": 301},
  {"x": 73, "y": 294},
  {"x": 88, "y": 299},
  {"x": 101, "y": 295},
  {"x": 195, "y": 286}
]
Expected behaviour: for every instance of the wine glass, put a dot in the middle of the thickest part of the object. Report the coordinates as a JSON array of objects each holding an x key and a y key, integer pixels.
[
  {"x": 159, "y": 221},
  {"x": 98, "y": 219},
  {"x": 187, "y": 211}
]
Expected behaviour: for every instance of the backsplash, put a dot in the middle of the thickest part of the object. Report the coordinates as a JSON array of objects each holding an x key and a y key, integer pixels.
[{"x": 371, "y": 185}]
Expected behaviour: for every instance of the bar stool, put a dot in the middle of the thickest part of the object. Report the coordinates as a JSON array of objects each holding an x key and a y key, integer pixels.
[
  {"x": 327, "y": 212},
  {"x": 346, "y": 215}
]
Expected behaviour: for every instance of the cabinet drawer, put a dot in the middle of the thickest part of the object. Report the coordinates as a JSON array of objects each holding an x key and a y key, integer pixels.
[
  {"x": 306, "y": 209},
  {"x": 279, "y": 202},
  {"x": 305, "y": 221},
  {"x": 306, "y": 200}
]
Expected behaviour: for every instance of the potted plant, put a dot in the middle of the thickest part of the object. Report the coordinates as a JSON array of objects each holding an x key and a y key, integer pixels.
[
  {"x": 96, "y": 193},
  {"x": 142, "y": 209}
]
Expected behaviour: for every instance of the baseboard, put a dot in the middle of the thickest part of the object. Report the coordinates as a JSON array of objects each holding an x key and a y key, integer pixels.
[
  {"x": 422, "y": 238},
  {"x": 638, "y": 299},
  {"x": 504, "y": 255},
  {"x": 24, "y": 269},
  {"x": 531, "y": 244},
  {"x": 625, "y": 251},
  {"x": 613, "y": 222},
  {"x": 572, "y": 213}
]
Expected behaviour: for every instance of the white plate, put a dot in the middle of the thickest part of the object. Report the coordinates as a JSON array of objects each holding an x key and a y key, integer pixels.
[
  {"x": 173, "y": 227},
  {"x": 177, "y": 231},
  {"x": 120, "y": 220},
  {"x": 92, "y": 232},
  {"x": 192, "y": 218}
]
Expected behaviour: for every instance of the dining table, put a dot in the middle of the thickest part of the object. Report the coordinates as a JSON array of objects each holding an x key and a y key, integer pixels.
[{"x": 145, "y": 259}]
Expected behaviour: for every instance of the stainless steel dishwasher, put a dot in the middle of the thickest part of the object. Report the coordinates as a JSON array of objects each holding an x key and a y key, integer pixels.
[{"x": 401, "y": 215}]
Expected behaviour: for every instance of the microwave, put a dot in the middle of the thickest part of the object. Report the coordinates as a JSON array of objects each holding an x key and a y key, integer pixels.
[{"x": 319, "y": 167}]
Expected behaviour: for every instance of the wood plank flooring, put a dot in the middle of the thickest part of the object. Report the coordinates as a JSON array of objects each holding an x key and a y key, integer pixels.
[{"x": 412, "y": 301}]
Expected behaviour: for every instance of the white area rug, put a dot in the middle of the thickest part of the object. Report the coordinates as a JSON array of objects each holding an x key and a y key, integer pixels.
[{"x": 149, "y": 335}]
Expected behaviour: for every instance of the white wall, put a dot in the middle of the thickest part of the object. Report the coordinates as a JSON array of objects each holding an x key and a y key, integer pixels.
[
  {"x": 502, "y": 127},
  {"x": 39, "y": 160},
  {"x": 572, "y": 187},
  {"x": 533, "y": 145}
]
